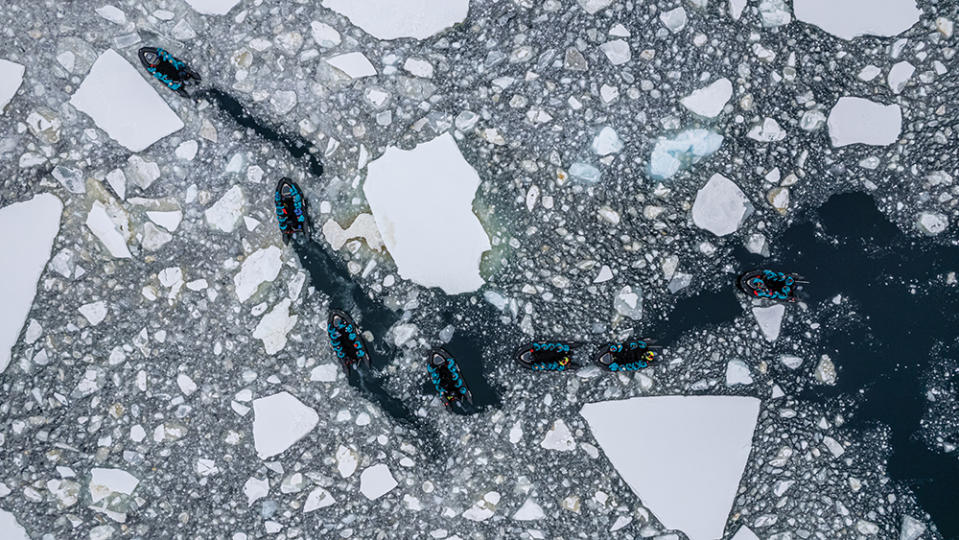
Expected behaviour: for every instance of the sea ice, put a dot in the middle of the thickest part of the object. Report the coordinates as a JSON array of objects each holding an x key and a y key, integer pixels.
[
  {"x": 558, "y": 438},
  {"x": 278, "y": 422},
  {"x": 11, "y": 77},
  {"x": 10, "y": 528},
  {"x": 616, "y": 51},
  {"x": 736, "y": 8},
  {"x": 720, "y": 206},
  {"x": 584, "y": 172},
  {"x": 932, "y": 223},
  {"x": 848, "y": 19},
  {"x": 225, "y": 212},
  {"x": 389, "y": 19},
  {"x": 745, "y": 533},
  {"x": 607, "y": 142},
  {"x": 770, "y": 320},
  {"x": 169, "y": 220},
  {"x": 212, "y": 7},
  {"x": 899, "y": 75},
  {"x": 316, "y": 499},
  {"x": 102, "y": 226},
  {"x": 529, "y": 511},
  {"x": 274, "y": 326},
  {"x": 737, "y": 372},
  {"x": 856, "y": 120},
  {"x": 27, "y": 232},
  {"x": 422, "y": 202},
  {"x": 94, "y": 312},
  {"x": 594, "y": 6},
  {"x": 261, "y": 266},
  {"x": 122, "y": 103},
  {"x": 376, "y": 481},
  {"x": 768, "y": 131},
  {"x": 709, "y": 101},
  {"x": 354, "y": 65},
  {"x": 686, "y": 148},
  {"x": 694, "y": 450}
]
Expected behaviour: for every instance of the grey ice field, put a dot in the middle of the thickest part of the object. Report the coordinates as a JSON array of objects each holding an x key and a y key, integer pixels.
[{"x": 508, "y": 170}]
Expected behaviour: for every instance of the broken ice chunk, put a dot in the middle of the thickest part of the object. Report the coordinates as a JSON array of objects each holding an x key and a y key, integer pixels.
[
  {"x": 680, "y": 437},
  {"x": 558, "y": 438},
  {"x": 629, "y": 302},
  {"x": 389, "y": 19},
  {"x": 709, "y": 101},
  {"x": 770, "y": 320},
  {"x": 616, "y": 51},
  {"x": 102, "y": 225},
  {"x": 225, "y": 212},
  {"x": 932, "y": 223},
  {"x": 31, "y": 247},
  {"x": 122, "y": 103},
  {"x": 354, "y": 65},
  {"x": 316, "y": 499},
  {"x": 94, "y": 312},
  {"x": 262, "y": 266},
  {"x": 274, "y": 326},
  {"x": 212, "y": 7},
  {"x": 744, "y": 533},
  {"x": 419, "y": 67},
  {"x": 848, "y": 19},
  {"x": 607, "y": 142},
  {"x": 899, "y": 75},
  {"x": 768, "y": 131},
  {"x": 376, "y": 481},
  {"x": 774, "y": 13},
  {"x": 11, "y": 77},
  {"x": 529, "y": 511},
  {"x": 737, "y": 372},
  {"x": 674, "y": 19},
  {"x": 422, "y": 202},
  {"x": 720, "y": 206},
  {"x": 279, "y": 421},
  {"x": 594, "y": 6},
  {"x": 856, "y": 120},
  {"x": 584, "y": 172},
  {"x": 169, "y": 220},
  {"x": 324, "y": 35},
  {"x": 686, "y": 148},
  {"x": 111, "y": 492},
  {"x": 364, "y": 226},
  {"x": 736, "y": 8}
]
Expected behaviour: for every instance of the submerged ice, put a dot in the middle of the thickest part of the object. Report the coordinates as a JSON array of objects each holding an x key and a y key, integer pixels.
[{"x": 670, "y": 155}]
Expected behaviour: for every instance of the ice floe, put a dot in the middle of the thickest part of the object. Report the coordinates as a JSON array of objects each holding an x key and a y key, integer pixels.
[
  {"x": 10, "y": 528},
  {"x": 225, "y": 213},
  {"x": 530, "y": 511},
  {"x": 122, "y": 103},
  {"x": 111, "y": 492},
  {"x": 855, "y": 120},
  {"x": 27, "y": 232},
  {"x": 212, "y": 7},
  {"x": 107, "y": 231},
  {"x": 364, "y": 226},
  {"x": 689, "y": 147},
  {"x": 274, "y": 326},
  {"x": 694, "y": 450},
  {"x": 261, "y": 266},
  {"x": 932, "y": 223},
  {"x": 422, "y": 201},
  {"x": 849, "y": 19},
  {"x": 607, "y": 142},
  {"x": 559, "y": 438},
  {"x": 376, "y": 481},
  {"x": 899, "y": 75},
  {"x": 11, "y": 77},
  {"x": 770, "y": 320},
  {"x": 94, "y": 312},
  {"x": 709, "y": 101},
  {"x": 767, "y": 131},
  {"x": 720, "y": 206},
  {"x": 389, "y": 19},
  {"x": 354, "y": 65},
  {"x": 279, "y": 421}
]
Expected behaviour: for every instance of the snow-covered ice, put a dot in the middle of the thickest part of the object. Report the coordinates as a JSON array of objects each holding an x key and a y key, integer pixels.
[
  {"x": 530, "y": 511},
  {"x": 263, "y": 265},
  {"x": 720, "y": 206},
  {"x": 225, "y": 212},
  {"x": 693, "y": 449},
  {"x": 354, "y": 65},
  {"x": 94, "y": 312},
  {"x": 376, "y": 481},
  {"x": 737, "y": 372},
  {"x": 121, "y": 102},
  {"x": 27, "y": 232},
  {"x": 10, "y": 528},
  {"x": 899, "y": 75},
  {"x": 11, "y": 77},
  {"x": 558, "y": 438},
  {"x": 855, "y": 120},
  {"x": 274, "y": 326},
  {"x": 389, "y": 19},
  {"x": 745, "y": 533},
  {"x": 849, "y": 19},
  {"x": 710, "y": 100},
  {"x": 102, "y": 225},
  {"x": 422, "y": 200},
  {"x": 607, "y": 142},
  {"x": 770, "y": 320},
  {"x": 279, "y": 421},
  {"x": 689, "y": 147},
  {"x": 212, "y": 7},
  {"x": 768, "y": 131}
]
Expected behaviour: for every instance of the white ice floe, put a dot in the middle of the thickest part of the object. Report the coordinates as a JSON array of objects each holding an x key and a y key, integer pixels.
[
  {"x": 105, "y": 229},
  {"x": 720, "y": 206},
  {"x": 262, "y": 266},
  {"x": 419, "y": 67},
  {"x": 346, "y": 461},
  {"x": 770, "y": 320},
  {"x": 768, "y": 131},
  {"x": 745, "y": 533},
  {"x": 122, "y": 103},
  {"x": 255, "y": 489},
  {"x": 11, "y": 77},
  {"x": 911, "y": 529},
  {"x": 278, "y": 422},
  {"x": 594, "y": 6},
  {"x": 848, "y": 19},
  {"x": 110, "y": 492},
  {"x": 27, "y": 232},
  {"x": 94, "y": 312},
  {"x": 376, "y": 481},
  {"x": 709, "y": 101},
  {"x": 225, "y": 213},
  {"x": 774, "y": 13},
  {"x": 628, "y": 302},
  {"x": 899, "y": 75},
  {"x": 856, "y": 120},
  {"x": 736, "y": 8},
  {"x": 484, "y": 508},
  {"x": 274, "y": 326},
  {"x": 670, "y": 155},
  {"x": 316, "y": 499},
  {"x": 212, "y": 7},
  {"x": 112, "y": 14},
  {"x": 674, "y": 19},
  {"x": 616, "y": 51},
  {"x": 169, "y": 220},
  {"x": 324, "y": 35},
  {"x": 737, "y": 372},
  {"x": 10, "y": 528},
  {"x": 422, "y": 200},
  {"x": 364, "y": 226},
  {"x": 558, "y": 438},
  {"x": 694, "y": 450},
  {"x": 932, "y": 223},
  {"x": 529, "y": 511},
  {"x": 607, "y": 142},
  {"x": 389, "y": 19},
  {"x": 354, "y": 65}
]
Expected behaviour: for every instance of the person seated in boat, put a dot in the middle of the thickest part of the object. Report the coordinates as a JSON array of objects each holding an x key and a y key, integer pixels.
[
  {"x": 547, "y": 356},
  {"x": 626, "y": 356},
  {"x": 166, "y": 68},
  {"x": 446, "y": 377}
]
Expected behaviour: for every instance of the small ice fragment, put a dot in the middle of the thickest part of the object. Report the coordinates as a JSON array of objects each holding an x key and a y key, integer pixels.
[
  {"x": 274, "y": 326},
  {"x": 856, "y": 120},
  {"x": 737, "y": 372},
  {"x": 584, "y": 172},
  {"x": 616, "y": 51},
  {"x": 212, "y": 7},
  {"x": 102, "y": 226},
  {"x": 262, "y": 266},
  {"x": 770, "y": 320},
  {"x": 279, "y": 421},
  {"x": 94, "y": 312},
  {"x": 687, "y": 148},
  {"x": 720, "y": 206},
  {"x": 607, "y": 142},
  {"x": 899, "y": 75},
  {"x": 674, "y": 19},
  {"x": 558, "y": 438},
  {"x": 709, "y": 101},
  {"x": 11, "y": 77},
  {"x": 376, "y": 481},
  {"x": 768, "y": 131},
  {"x": 354, "y": 65}
]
